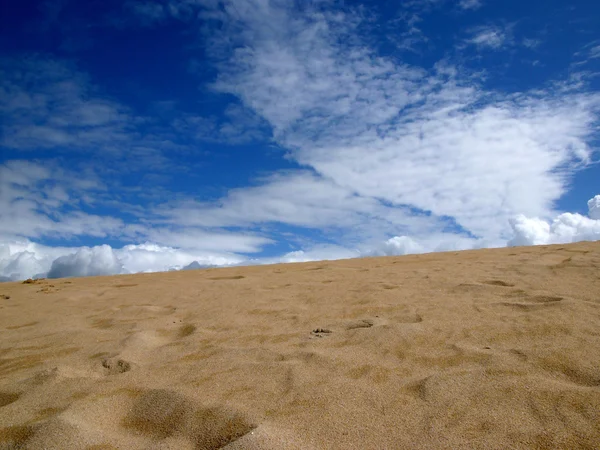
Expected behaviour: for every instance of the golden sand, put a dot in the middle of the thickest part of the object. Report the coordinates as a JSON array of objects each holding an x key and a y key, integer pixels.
[{"x": 490, "y": 349}]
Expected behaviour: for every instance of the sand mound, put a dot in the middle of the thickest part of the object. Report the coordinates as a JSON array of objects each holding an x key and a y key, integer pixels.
[{"x": 485, "y": 349}]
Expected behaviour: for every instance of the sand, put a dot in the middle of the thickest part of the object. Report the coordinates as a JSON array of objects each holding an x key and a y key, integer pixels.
[{"x": 490, "y": 349}]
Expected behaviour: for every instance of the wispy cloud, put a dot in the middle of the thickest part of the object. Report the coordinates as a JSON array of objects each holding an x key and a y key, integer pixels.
[
  {"x": 237, "y": 125},
  {"x": 153, "y": 12},
  {"x": 490, "y": 37},
  {"x": 584, "y": 61},
  {"x": 594, "y": 52},
  {"x": 531, "y": 43},
  {"x": 148, "y": 12},
  {"x": 470, "y": 4},
  {"x": 50, "y": 106},
  {"x": 303, "y": 199},
  {"x": 396, "y": 133},
  {"x": 47, "y": 104},
  {"x": 43, "y": 200}
]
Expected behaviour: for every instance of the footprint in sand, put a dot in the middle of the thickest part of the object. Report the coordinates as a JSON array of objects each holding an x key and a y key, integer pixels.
[
  {"x": 132, "y": 351},
  {"x": 320, "y": 332},
  {"x": 116, "y": 366},
  {"x": 137, "y": 346}
]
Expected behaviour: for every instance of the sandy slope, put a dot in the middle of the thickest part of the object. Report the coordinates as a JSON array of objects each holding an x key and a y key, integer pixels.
[{"x": 480, "y": 349}]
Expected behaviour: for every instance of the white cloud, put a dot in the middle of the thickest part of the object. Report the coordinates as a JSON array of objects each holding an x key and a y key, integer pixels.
[
  {"x": 488, "y": 37},
  {"x": 237, "y": 126},
  {"x": 594, "y": 52},
  {"x": 426, "y": 243},
  {"x": 156, "y": 258},
  {"x": 151, "y": 12},
  {"x": 316, "y": 253},
  {"x": 531, "y": 43},
  {"x": 22, "y": 265},
  {"x": 398, "y": 245},
  {"x": 42, "y": 199},
  {"x": 20, "y": 260},
  {"x": 565, "y": 228},
  {"x": 148, "y": 12},
  {"x": 594, "y": 207},
  {"x": 302, "y": 199},
  {"x": 470, "y": 4},
  {"x": 195, "y": 239},
  {"x": 47, "y": 103},
  {"x": 24, "y": 259},
  {"x": 430, "y": 142},
  {"x": 297, "y": 198},
  {"x": 86, "y": 262}
]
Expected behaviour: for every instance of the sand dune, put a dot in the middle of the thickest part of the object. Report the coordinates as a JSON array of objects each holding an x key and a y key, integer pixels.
[{"x": 486, "y": 349}]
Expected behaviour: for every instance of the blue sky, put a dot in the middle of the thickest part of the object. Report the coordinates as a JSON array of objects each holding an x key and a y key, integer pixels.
[{"x": 145, "y": 135}]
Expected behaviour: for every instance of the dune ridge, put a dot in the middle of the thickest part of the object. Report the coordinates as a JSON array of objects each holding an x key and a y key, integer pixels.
[{"x": 481, "y": 349}]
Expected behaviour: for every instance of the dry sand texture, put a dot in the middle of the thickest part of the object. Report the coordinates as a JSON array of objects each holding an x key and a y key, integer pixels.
[{"x": 481, "y": 349}]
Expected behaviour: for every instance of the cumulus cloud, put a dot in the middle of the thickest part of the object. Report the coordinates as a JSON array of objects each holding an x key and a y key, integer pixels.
[
  {"x": 21, "y": 265},
  {"x": 24, "y": 259},
  {"x": 594, "y": 207},
  {"x": 565, "y": 228},
  {"x": 398, "y": 245},
  {"x": 100, "y": 260},
  {"x": 151, "y": 257},
  {"x": 316, "y": 253}
]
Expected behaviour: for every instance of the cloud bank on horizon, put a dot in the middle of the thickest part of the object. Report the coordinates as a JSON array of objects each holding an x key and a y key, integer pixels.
[{"x": 166, "y": 135}]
